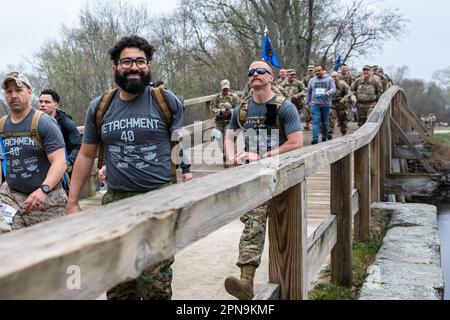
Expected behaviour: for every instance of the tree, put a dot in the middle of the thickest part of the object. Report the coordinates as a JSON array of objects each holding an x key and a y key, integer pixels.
[
  {"x": 78, "y": 66},
  {"x": 302, "y": 31}
]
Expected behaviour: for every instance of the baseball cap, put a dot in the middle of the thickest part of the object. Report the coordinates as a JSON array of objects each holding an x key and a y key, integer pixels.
[
  {"x": 367, "y": 67},
  {"x": 225, "y": 84},
  {"x": 291, "y": 72},
  {"x": 311, "y": 67},
  {"x": 18, "y": 77}
]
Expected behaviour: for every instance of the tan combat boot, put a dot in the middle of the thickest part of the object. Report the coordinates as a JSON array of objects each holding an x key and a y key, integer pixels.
[{"x": 243, "y": 288}]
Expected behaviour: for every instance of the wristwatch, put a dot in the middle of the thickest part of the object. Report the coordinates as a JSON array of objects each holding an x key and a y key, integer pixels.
[{"x": 45, "y": 188}]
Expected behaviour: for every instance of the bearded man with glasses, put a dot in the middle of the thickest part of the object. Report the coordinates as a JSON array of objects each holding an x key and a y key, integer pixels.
[
  {"x": 136, "y": 136},
  {"x": 271, "y": 126}
]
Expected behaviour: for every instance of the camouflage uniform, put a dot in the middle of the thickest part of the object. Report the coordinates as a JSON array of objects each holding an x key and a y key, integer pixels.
[
  {"x": 54, "y": 206},
  {"x": 367, "y": 93},
  {"x": 253, "y": 237},
  {"x": 296, "y": 92},
  {"x": 348, "y": 78},
  {"x": 155, "y": 282},
  {"x": 279, "y": 81},
  {"x": 378, "y": 79},
  {"x": 384, "y": 81},
  {"x": 220, "y": 103},
  {"x": 340, "y": 111},
  {"x": 306, "y": 80}
]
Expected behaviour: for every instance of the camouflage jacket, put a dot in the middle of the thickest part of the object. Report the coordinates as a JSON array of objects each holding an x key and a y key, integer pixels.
[
  {"x": 221, "y": 102},
  {"x": 384, "y": 81},
  {"x": 348, "y": 78},
  {"x": 342, "y": 91},
  {"x": 291, "y": 89},
  {"x": 306, "y": 80},
  {"x": 279, "y": 81},
  {"x": 366, "y": 91}
]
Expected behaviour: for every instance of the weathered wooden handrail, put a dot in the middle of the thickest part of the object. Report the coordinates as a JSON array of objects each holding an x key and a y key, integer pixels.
[{"x": 116, "y": 242}]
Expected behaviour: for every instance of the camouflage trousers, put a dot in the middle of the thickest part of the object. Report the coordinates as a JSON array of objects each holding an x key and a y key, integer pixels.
[
  {"x": 339, "y": 112},
  {"x": 364, "y": 111},
  {"x": 306, "y": 118},
  {"x": 251, "y": 245},
  {"x": 54, "y": 206},
  {"x": 222, "y": 126},
  {"x": 155, "y": 282}
]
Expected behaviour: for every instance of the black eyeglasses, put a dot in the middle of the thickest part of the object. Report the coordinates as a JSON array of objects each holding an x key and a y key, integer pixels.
[
  {"x": 260, "y": 71},
  {"x": 127, "y": 63}
]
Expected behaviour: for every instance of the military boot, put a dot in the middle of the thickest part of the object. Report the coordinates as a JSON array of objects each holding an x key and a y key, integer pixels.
[{"x": 242, "y": 288}]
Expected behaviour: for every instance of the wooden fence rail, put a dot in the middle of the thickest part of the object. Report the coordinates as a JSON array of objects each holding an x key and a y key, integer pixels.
[{"x": 116, "y": 242}]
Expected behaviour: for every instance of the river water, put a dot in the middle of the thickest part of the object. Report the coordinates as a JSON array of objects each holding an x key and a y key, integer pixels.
[{"x": 444, "y": 230}]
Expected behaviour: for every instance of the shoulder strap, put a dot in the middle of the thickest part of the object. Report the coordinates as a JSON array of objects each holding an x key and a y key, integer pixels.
[
  {"x": 243, "y": 110},
  {"x": 161, "y": 101},
  {"x": 34, "y": 128},
  {"x": 100, "y": 111},
  {"x": 159, "y": 96},
  {"x": 279, "y": 100},
  {"x": 2, "y": 124}
]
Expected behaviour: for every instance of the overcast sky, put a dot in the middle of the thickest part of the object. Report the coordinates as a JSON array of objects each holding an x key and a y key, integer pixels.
[{"x": 28, "y": 23}]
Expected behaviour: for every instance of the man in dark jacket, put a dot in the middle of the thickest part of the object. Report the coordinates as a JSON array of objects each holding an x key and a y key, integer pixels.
[{"x": 49, "y": 103}]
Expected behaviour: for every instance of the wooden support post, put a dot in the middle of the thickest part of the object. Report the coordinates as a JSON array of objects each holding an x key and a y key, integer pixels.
[
  {"x": 383, "y": 145},
  {"x": 389, "y": 151},
  {"x": 341, "y": 193},
  {"x": 209, "y": 114},
  {"x": 362, "y": 184},
  {"x": 374, "y": 170},
  {"x": 395, "y": 106},
  {"x": 288, "y": 243},
  {"x": 412, "y": 147}
]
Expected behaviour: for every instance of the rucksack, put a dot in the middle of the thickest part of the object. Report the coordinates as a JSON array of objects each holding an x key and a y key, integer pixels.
[
  {"x": 161, "y": 101},
  {"x": 243, "y": 111}
]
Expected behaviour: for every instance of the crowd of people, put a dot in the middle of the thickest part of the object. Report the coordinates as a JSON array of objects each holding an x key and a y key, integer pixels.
[
  {"x": 321, "y": 98},
  {"x": 133, "y": 129}
]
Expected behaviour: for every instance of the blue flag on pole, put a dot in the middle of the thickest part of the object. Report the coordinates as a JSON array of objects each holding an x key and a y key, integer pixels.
[
  {"x": 338, "y": 64},
  {"x": 268, "y": 54}
]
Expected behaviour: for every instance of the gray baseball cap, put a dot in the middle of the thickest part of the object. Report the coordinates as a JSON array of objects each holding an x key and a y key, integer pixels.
[
  {"x": 18, "y": 77},
  {"x": 225, "y": 84}
]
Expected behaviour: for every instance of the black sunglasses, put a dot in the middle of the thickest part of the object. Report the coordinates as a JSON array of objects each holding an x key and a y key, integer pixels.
[{"x": 261, "y": 71}]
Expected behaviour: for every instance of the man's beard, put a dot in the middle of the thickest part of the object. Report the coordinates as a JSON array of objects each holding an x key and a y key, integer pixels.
[{"x": 134, "y": 86}]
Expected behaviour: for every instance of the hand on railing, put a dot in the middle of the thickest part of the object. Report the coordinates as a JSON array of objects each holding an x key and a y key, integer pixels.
[
  {"x": 186, "y": 177},
  {"x": 245, "y": 157}
]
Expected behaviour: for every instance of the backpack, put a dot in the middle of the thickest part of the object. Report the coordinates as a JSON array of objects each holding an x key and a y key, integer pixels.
[
  {"x": 243, "y": 111},
  {"x": 162, "y": 103},
  {"x": 34, "y": 133}
]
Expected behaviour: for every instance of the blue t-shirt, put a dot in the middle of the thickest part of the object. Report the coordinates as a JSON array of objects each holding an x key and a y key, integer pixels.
[
  {"x": 137, "y": 141},
  {"x": 261, "y": 133}
]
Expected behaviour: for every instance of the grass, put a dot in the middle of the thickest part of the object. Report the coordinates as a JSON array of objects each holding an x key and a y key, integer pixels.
[
  {"x": 442, "y": 139},
  {"x": 363, "y": 256}
]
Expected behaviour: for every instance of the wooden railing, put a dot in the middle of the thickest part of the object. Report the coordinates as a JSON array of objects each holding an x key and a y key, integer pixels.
[{"x": 116, "y": 242}]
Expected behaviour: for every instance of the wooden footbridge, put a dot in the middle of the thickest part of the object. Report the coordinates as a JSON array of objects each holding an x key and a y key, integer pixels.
[{"x": 328, "y": 188}]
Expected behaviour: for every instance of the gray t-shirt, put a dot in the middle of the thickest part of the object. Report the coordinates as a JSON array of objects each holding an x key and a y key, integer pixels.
[
  {"x": 263, "y": 137},
  {"x": 27, "y": 164},
  {"x": 137, "y": 141}
]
